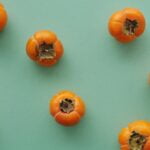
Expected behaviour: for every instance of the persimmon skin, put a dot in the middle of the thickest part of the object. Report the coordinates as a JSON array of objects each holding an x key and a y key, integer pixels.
[
  {"x": 3, "y": 17},
  {"x": 117, "y": 20},
  {"x": 141, "y": 127},
  {"x": 47, "y": 37},
  {"x": 147, "y": 145},
  {"x": 67, "y": 119}
]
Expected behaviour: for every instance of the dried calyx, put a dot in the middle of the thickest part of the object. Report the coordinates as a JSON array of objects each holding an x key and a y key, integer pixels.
[
  {"x": 67, "y": 105},
  {"x": 137, "y": 141},
  {"x": 130, "y": 26},
  {"x": 46, "y": 51}
]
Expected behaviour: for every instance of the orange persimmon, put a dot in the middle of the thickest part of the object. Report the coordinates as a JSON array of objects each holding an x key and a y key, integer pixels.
[
  {"x": 3, "y": 17},
  {"x": 136, "y": 136},
  {"x": 44, "y": 48},
  {"x": 127, "y": 24},
  {"x": 67, "y": 108}
]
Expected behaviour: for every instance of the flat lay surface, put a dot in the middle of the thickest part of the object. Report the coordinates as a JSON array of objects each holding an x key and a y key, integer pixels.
[{"x": 109, "y": 76}]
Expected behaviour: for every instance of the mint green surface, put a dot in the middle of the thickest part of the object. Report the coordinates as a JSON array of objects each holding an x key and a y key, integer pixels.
[{"x": 109, "y": 76}]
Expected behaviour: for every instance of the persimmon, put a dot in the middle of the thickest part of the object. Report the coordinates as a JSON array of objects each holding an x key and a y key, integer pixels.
[
  {"x": 3, "y": 17},
  {"x": 136, "y": 136},
  {"x": 44, "y": 48},
  {"x": 67, "y": 108},
  {"x": 127, "y": 24}
]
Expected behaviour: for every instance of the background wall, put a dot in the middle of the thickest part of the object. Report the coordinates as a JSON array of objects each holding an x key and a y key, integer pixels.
[{"x": 109, "y": 76}]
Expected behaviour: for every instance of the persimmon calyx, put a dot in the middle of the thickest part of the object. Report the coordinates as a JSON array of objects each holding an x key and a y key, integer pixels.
[
  {"x": 67, "y": 105},
  {"x": 137, "y": 141},
  {"x": 130, "y": 26},
  {"x": 46, "y": 51}
]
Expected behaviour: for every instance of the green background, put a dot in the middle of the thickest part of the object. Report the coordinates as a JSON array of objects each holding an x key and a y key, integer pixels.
[{"x": 109, "y": 76}]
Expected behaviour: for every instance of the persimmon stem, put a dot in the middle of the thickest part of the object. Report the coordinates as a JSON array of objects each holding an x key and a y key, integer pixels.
[
  {"x": 46, "y": 51},
  {"x": 130, "y": 26},
  {"x": 67, "y": 105},
  {"x": 137, "y": 141}
]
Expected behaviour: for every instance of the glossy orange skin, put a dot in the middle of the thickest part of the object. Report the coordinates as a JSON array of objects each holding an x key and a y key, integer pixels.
[
  {"x": 141, "y": 127},
  {"x": 3, "y": 17},
  {"x": 117, "y": 20},
  {"x": 67, "y": 119},
  {"x": 48, "y": 37}
]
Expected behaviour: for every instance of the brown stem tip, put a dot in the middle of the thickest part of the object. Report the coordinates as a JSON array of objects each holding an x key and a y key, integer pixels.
[
  {"x": 67, "y": 105},
  {"x": 46, "y": 51},
  {"x": 130, "y": 26},
  {"x": 137, "y": 141}
]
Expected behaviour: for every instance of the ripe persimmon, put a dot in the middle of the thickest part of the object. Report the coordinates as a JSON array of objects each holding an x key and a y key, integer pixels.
[
  {"x": 127, "y": 24},
  {"x": 136, "y": 136},
  {"x": 44, "y": 48},
  {"x": 3, "y": 17},
  {"x": 67, "y": 108}
]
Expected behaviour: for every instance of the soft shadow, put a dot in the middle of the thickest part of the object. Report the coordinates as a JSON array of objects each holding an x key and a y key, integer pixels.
[
  {"x": 7, "y": 40},
  {"x": 130, "y": 50},
  {"x": 60, "y": 69},
  {"x": 85, "y": 131},
  {"x": 4, "y": 40}
]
